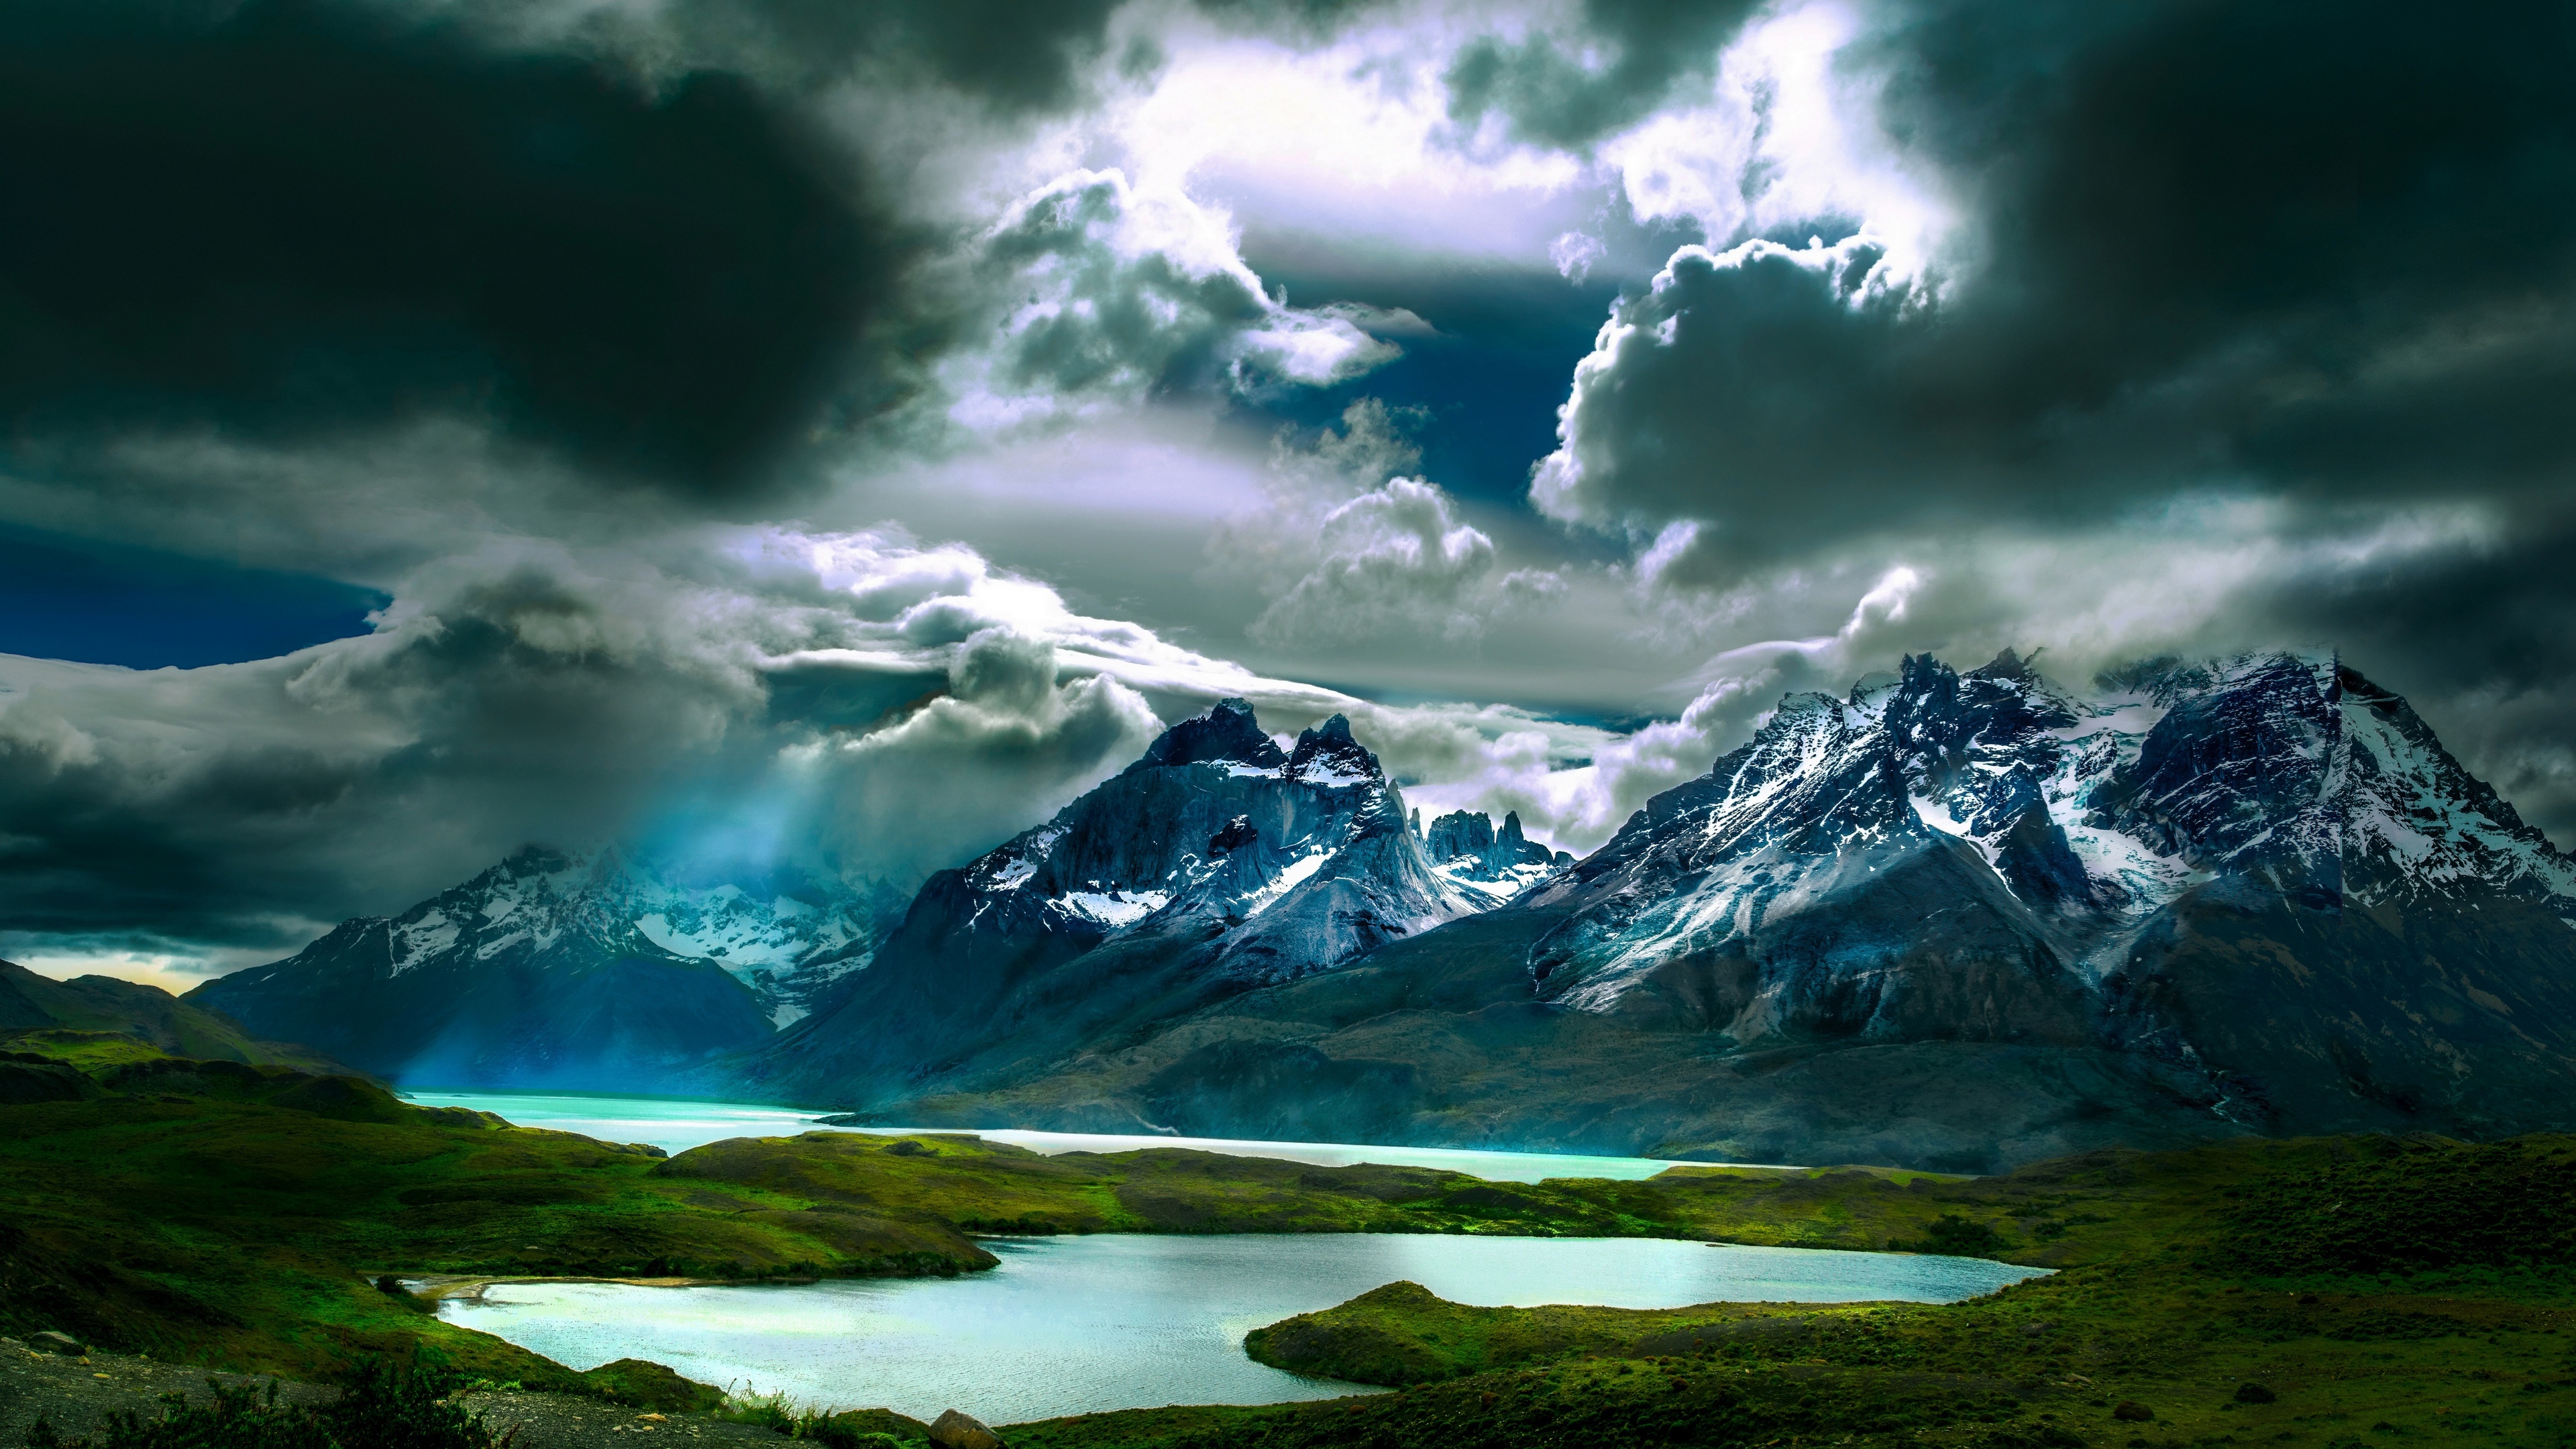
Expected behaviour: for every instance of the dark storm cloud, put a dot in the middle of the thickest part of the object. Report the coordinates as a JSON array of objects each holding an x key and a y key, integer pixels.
[
  {"x": 2294, "y": 280},
  {"x": 1014, "y": 55},
  {"x": 1552, "y": 90},
  {"x": 288, "y": 220},
  {"x": 2323, "y": 251},
  {"x": 524, "y": 695},
  {"x": 2483, "y": 643},
  {"x": 1305, "y": 17}
]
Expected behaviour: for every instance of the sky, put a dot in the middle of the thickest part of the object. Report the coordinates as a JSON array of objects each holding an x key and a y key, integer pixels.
[{"x": 794, "y": 431}]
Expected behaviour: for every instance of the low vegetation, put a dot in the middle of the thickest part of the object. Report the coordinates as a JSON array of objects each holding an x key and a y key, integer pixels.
[
  {"x": 102, "y": 1007},
  {"x": 2327, "y": 1293},
  {"x": 265, "y": 1219},
  {"x": 2331, "y": 1293},
  {"x": 381, "y": 1407}
]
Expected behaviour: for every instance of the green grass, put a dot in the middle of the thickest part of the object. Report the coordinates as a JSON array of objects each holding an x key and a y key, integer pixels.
[
  {"x": 87, "y": 1051},
  {"x": 238, "y": 1216},
  {"x": 2372, "y": 1291}
]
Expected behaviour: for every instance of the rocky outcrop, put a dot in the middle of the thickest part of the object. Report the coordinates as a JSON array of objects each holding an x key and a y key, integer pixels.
[
  {"x": 26, "y": 1079},
  {"x": 1216, "y": 864},
  {"x": 1465, "y": 847},
  {"x": 953, "y": 1430},
  {"x": 1960, "y": 920}
]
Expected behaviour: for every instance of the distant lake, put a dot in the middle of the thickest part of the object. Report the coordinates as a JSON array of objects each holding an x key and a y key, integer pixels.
[
  {"x": 676, "y": 1126},
  {"x": 1078, "y": 1325}
]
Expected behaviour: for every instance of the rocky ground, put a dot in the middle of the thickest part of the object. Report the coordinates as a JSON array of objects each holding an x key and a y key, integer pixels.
[
  {"x": 76, "y": 1394},
  {"x": 566, "y": 1421}
]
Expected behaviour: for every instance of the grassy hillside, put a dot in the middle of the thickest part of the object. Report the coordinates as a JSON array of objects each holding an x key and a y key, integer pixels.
[
  {"x": 148, "y": 1014},
  {"x": 237, "y": 1215},
  {"x": 232, "y": 1214},
  {"x": 2331, "y": 1292}
]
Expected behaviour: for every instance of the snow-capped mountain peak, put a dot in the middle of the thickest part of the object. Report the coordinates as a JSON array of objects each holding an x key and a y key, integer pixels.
[
  {"x": 785, "y": 936},
  {"x": 2285, "y": 774},
  {"x": 1217, "y": 825},
  {"x": 1216, "y": 863}
]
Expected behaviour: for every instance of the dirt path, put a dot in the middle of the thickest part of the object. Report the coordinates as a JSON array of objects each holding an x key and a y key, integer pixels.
[{"x": 76, "y": 1395}]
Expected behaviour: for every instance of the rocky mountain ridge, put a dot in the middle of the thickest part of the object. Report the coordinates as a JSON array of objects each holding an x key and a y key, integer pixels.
[
  {"x": 1465, "y": 847},
  {"x": 579, "y": 971},
  {"x": 1953, "y": 918},
  {"x": 1217, "y": 863}
]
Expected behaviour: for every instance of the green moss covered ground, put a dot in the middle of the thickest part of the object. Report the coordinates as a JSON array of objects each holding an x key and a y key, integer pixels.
[
  {"x": 2370, "y": 1291},
  {"x": 2341, "y": 1292},
  {"x": 149, "y": 1016},
  {"x": 238, "y": 1215}
]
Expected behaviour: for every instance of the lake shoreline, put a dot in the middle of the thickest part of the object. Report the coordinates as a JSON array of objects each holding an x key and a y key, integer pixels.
[
  {"x": 678, "y": 1124},
  {"x": 1105, "y": 1322}
]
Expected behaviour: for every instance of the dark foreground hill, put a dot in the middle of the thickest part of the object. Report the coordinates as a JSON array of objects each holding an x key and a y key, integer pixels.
[
  {"x": 1959, "y": 920},
  {"x": 2326, "y": 1292},
  {"x": 149, "y": 1015}
]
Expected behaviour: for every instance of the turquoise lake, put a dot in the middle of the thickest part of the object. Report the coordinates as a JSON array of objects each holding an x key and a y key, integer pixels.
[
  {"x": 1078, "y": 1325},
  {"x": 1117, "y": 1321},
  {"x": 677, "y": 1126}
]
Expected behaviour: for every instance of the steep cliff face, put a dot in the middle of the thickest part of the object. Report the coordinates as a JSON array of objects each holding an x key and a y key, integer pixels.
[
  {"x": 577, "y": 972},
  {"x": 1215, "y": 864},
  {"x": 2220, "y": 865},
  {"x": 1465, "y": 847},
  {"x": 1960, "y": 919}
]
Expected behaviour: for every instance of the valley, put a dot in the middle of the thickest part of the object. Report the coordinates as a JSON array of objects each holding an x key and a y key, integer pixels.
[
  {"x": 1951, "y": 920},
  {"x": 239, "y": 1217},
  {"x": 2221, "y": 1000}
]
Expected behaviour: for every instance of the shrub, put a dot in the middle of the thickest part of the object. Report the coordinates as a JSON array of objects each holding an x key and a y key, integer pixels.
[
  {"x": 380, "y": 1408},
  {"x": 1956, "y": 1237}
]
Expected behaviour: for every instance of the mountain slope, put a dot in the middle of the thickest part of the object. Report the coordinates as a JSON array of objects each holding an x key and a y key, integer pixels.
[
  {"x": 551, "y": 970},
  {"x": 1465, "y": 847},
  {"x": 1961, "y": 920},
  {"x": 29, "y": 1002},
  {"x": 1216, "y": 864}
]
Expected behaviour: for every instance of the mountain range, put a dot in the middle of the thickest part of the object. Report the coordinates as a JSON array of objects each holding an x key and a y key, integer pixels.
[
  {"x": 592, "y": 972},
  {"x": 1215, "y": 865},
  {"x": 1950, "y": 919}
]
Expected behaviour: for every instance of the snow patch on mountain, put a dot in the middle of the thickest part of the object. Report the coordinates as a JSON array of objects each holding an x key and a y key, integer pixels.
[
  {"x": 2092, "y": 815},
  {"x": 1497, "y": 865},
  {"x": 787, "y": 940},
  {"x": 1298, "y": 859}
]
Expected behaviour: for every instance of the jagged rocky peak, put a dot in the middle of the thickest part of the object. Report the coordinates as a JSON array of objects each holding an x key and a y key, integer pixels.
[
  {"x": 1465, "y": 846},
  {"x": 1327, "y": 756},
  {"x": 1227, "y": 734},
  {"x": 1217, "y": 825},
  {"x": 2289, "y": 771},
  {"x": 2278, "y": 776},
  {"x": 597, "y": 971},
  {"x": 1461, "y": 833}
]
